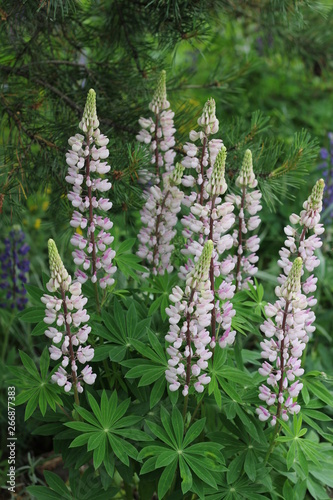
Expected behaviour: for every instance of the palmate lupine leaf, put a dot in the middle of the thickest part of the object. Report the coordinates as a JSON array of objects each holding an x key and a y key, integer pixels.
[
  {"x": 198, "y": 463},
  {"x": 150, "y": 370},
  {"x": 105, "y": 430},
  {"x": 36, "y": 385}
]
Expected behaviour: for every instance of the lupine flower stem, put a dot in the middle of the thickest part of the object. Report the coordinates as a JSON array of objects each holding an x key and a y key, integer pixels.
[
  {"x": 202, "y": 168},
  {"x": 156, "y": 149},
  {"x": 158, "y": 220},
  {"x": 211, "y": 272},
  {"x": 285, "y": 314},
  {"x": 240, "y": 242},
  {"x": 70, "y": 346}
]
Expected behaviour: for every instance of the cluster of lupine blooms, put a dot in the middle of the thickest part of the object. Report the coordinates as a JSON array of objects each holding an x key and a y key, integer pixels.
[
  {"x": 85, "y": 171},
  {"x": 14, "y": 269},
  {"x": 65, "y": 308},
  {"x": 207, "y": 228},
  {"x": 327, "y": 171},
  {"x": 93, "y": 252},
  {"x": 290, "y": 319},
  {"x": 209, "y": 218}
]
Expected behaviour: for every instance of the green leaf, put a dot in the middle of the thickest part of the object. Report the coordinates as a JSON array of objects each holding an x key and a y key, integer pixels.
[
  {"x": 235, "y": 468},
  {"x": 197, "y": 467},
  {"x": 178, "y": 426},
  {"x": 166, "y": 422},
  {"x": 165, "y": 458},
  {"x": 95, "y": 408},
  {"x": 320, "y": 391},
  {"x": 250, "y": 466},
  {"x": 44, "y": 363},
  {"x": 32, "y": 315},
  {"x": 89, "y": 417},
  {"x": 194, "y": 431},
  {"x": 157, "y": 391},
  {"x": 34, "y": 292},
  {"x": 99, "y": 453},
  {"x": 185, "y": 474},
  {"x": 31, "y": 406},
  {"x": 302, "y": 460},
  {"x": 56, "y": 484},
  {"x": 29, "y": 365},
  {"x": 291, "y": 455},
  {"x": 42, "y": 493},
  {"x": 166, "y": 479},
  {"x": 159, "y": 432},
  {"x": 125, "y": 246},
  {"x": 96, "y": 439},
  {"x": 39, "y": 329}
]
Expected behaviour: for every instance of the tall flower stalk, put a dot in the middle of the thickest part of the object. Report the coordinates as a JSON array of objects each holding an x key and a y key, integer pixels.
[
  {"x": 247, "y": 206},
  {"x": 290, "y": 319},
  {"x": 189, "y": 317},
  {"x": 86, "y": 175},
  {"x": 158, "y": 131},
  {"x": 159, "y": 217},
  {"x": 286, "y": 337},
  {"x": 65, "y": 309}
]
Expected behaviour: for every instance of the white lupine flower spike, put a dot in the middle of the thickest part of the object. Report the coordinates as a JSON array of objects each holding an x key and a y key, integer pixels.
[
  {"x": 189, "y": 339},
  {"x": 247, "y": 205},
  {"x": 159, "y": 218},
  {"x": 158, "y": 131},
  {"x": 65, "y": 308},
  {"x": 87, "y": 167}
]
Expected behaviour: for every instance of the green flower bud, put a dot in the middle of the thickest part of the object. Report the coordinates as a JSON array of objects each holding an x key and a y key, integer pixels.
[
  {"x": 216, "y": 184},
  {"x": 199, "y": 275},
  {"x": 316, "y": 196},
  {"x": 176, "y": 175},
  {"x": 292, "y": 285},
  {"x": 59, "y": 274},
  {"x": 89, "y": 120},
  {"x": 246, "y": 175},
  {"x": 159, "y": 101}
]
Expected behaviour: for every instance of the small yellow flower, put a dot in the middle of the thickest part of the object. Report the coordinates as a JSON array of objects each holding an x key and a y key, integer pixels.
[
  {"x": 79, "y": 230},
  {"x": 45, "y": 205},
  {"x": 33, "y": 208},
  {"x": 37, "y": 223}
]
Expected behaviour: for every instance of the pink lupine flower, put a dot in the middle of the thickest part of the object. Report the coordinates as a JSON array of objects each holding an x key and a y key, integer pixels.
[
  {"x": 247, "y": 206},
  {"x": 159, "y": 131},
  {"x": 85, "y": 168},
  {"x": 159, "y": 217},
  {"x": 65, "y": 308},
  {"x": 286, "y": 337},
  {"x": 189, "y": 315},
  {"x": 300, "y": 243}
]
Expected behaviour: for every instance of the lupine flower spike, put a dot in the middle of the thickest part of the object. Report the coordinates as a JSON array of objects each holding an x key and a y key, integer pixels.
[
  {"x": 65, "y": 310},
  {"x": 189, "y": 317},
  {"x": 247, "y": 206},
  {"x": 300, "y": 242},
  {"x": 212, "y": 220},
  {"x": 287, "y": 332},
  {"x": 14, "y": 269},
  {"x": 85, "y": 173},
  {"x": 159, "y": 131},
  {"x": 159, "y": 217}
]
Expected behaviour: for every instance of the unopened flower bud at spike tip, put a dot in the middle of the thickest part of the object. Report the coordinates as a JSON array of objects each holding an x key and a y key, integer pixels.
[
  {"x": 201, "y": 268},
  {"x": 316, "y": 196},
  {"x": 59, "y": 274},
  {"x": 159, "y": 101},
  {"x": 216, "y": 184},
  {"x": 89, "y": 120},
  {"x": 246, "y": 175},
  {"x": 176, "y": 175},
  {"x": 293, "y": 283}
]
